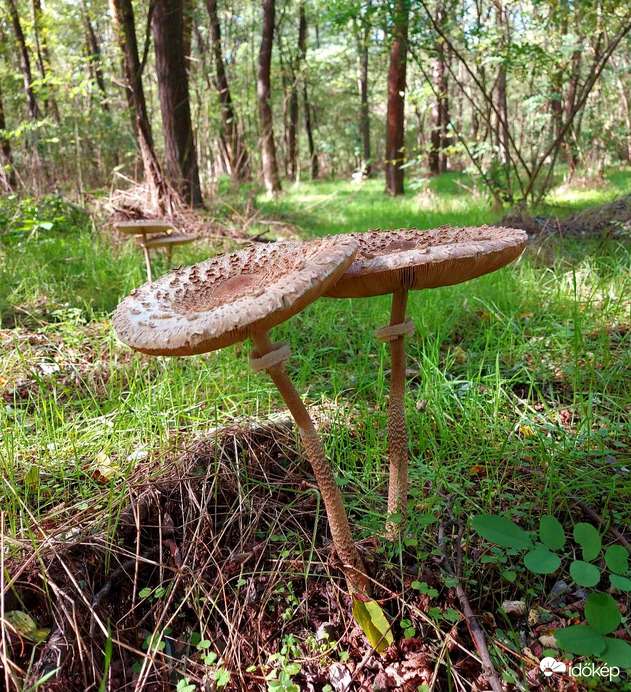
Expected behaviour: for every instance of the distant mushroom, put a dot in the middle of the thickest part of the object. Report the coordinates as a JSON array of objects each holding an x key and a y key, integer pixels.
[
  {"x": 405, "y": 260},
  {"x": 163, "y": 236},
  {"x": 229, "y": 298},
  {"x": 169, "y": 241}
]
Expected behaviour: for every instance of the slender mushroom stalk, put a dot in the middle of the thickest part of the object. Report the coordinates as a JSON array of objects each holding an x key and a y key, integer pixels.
[
  {"x": 400, "y": 261},
  {"x": 336, "y": 513},
  {"x": 397, "y": 429},
  {"x": 145, "y": 251}
]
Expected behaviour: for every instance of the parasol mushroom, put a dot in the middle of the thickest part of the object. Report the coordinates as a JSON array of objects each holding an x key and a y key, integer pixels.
[
  {"x": 229, "y": 298},
  {"x": 403, "y": 260},
  {"x": 169, "y": 241}
]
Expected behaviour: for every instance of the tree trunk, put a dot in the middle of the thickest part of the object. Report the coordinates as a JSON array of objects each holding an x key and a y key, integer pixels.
[
  {"x": 362, "y": 83},
  {"x": 179, "y": 143},
  {"x": 263, "y": 91},
  {"x": 437, "y": 113},
  {"x": 25, "y": 62},
  {"x": 571, "y": 155},
  {"x": 7, "y": 172},
  {"x": 94, "y": 55},
  {"x": 302, "y": 45},
  {"x": 502, "y": 107},
  {"x": 444, "y": 114},
  {"x": 395, "y": 118},
  {"x": 43, "y": 58},
  {"x": 237, "y": 151},
  {"x": 125, "y": 27},
  {"x": 292, "y": 144}
]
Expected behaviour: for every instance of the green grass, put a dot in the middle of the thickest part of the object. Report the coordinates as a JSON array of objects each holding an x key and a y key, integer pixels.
[
  {"x": 529, "y": 366},
  {"x": 515, "y": 348}
]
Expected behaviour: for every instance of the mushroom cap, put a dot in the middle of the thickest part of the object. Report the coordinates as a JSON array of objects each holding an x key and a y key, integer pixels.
[
  {"x": 224, "y": 299},
  {"x": 389, "y": 261},
  {"x": 143, "y": 226},
  {"x": 165, "y": 239}
]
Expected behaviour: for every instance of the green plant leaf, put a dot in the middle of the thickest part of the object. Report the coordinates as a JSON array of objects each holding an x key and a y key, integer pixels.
[
  {"x": 551, "y": 532},
  {"x": 602, "y": 612},
  {"x": 542, "y": 561},
  {"x": 589, "y": 540},
  {"x": 619, "y": 582},
  {"x": 501, "y": 531},
  {"x": 584, "y": 574},
  {"x": 617, "y": 559},
  {"x": 617, "y": 653},
  {"x": 509, "y": 574},
  {"x": 25, "y": 626},
  {"x": 580, "y": 640},
  {"x": 370, "y": 617}
]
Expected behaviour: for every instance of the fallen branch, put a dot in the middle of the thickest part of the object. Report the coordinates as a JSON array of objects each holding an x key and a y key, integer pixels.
[{"x": 476, "y": 631}]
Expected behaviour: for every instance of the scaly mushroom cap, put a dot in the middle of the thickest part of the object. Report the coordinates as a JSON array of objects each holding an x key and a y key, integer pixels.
[
  {"x": 388, "y": 261},
  {"x": 147, "y": 226},
  {"x": 164, "y": 239},
  {"x": 224, "y": 299}
]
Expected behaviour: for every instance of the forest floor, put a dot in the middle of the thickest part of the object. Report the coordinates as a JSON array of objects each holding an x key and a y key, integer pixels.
[{"x": 160, "y": 539}]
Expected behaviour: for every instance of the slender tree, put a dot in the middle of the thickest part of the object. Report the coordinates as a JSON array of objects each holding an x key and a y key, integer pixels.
[
  {"x": 395, "y": 118},
  {"x": 94, "y": 54},
  {"x": 179, "y": 144},
  {"x": 237, "y": 152},
  {"x": 125, "y": 26},
  {"x": 25, "y": 61},
  {"x": 7, "y": 171},
  {"x": 363, "y": 26},
  {"x": 43, "y": 59},
  {"x": 264, "y": 93},
  {"x": 302, "y": 45}
]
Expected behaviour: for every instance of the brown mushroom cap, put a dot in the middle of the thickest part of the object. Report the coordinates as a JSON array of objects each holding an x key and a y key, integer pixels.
[
  {"x": 147, "y": 226},
  {"x": 164, "y": 240},
  {"x": 389, "y": 261},
  {"x": 224, "y": 299}
]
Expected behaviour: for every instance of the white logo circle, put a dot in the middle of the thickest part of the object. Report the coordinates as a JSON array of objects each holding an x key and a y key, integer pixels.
[{"x": 550, "y": 665}]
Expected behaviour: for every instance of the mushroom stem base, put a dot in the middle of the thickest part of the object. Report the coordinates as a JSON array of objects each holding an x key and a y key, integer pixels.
[
  {"x": 397, "y": 429},
  {"x": 340, "y": 530}
]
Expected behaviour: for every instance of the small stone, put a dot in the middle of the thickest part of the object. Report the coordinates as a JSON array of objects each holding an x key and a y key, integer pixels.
[
  {"x": 515, "y": 608},
  {"x": 340, "y": 677}
]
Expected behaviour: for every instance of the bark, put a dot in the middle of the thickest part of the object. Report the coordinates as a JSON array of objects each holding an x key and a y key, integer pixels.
[
  {"x": 125, "y": 26},
  {"x": 302, "y": 45},
  {"x": 571, "y": 154},
  {"x": 362, "y": 84},
  {"x": 292, "y": 144},
  {"x": 440, "y": 108},
  {"x": 395, "y": 118},
  {"x": 25, "y": 62},
  {"x": 236, "y": 150},
  {"x": 502, "y": 108},
  {"x": 437, "y": 113},
  {"x": 94, "y": 55},
  {"x": 263, "y": 91},
  {"x": 179, "y": 142},
  {"x": 43, "y": 58},
  {"x": 7, "y": 172}
]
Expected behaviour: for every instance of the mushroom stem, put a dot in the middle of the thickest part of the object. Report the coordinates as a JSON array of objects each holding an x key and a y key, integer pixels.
[
  {"x": 169, "y": 256},
  {"x": 334, "y": 505},
  {"x": 397, "y": 430},
  {"x": 145, "y": 250}
]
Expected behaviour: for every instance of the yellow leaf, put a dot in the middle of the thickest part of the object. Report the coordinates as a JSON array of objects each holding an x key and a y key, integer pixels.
[
  {"x": 370, "y": 617},
  {"x": 105, "y": 467},
  {"x": 526, "y": 431}
]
